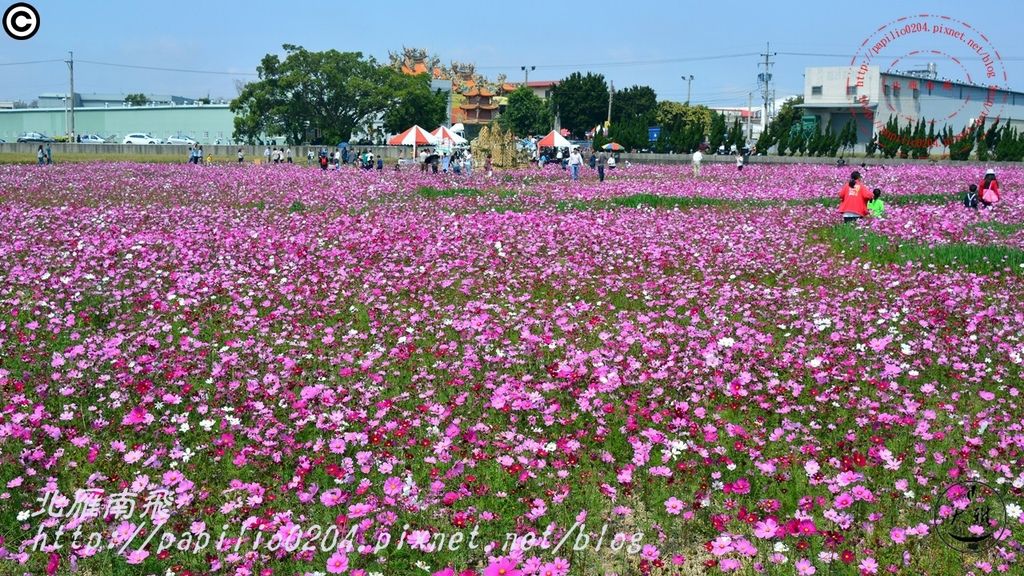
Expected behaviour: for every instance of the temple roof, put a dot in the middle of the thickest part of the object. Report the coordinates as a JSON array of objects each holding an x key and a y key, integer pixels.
[{"x": 478, "y": 91}]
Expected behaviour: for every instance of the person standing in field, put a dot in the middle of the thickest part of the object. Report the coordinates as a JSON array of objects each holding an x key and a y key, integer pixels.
[
  {"x": 40, "y": 156},
  {"x": 696, "y": 159},
  {"x": 854, "y": 198},
  {"x": 288, "y": 154},
  {"x": 602, "y": 161},
  {"x": 575, "y": 163},
  {"x": 241, "y": 156},
  {"x": 988, "y": 189},
  {"x": 266, "y": 155},
  {"x": 489, "y": 165}
]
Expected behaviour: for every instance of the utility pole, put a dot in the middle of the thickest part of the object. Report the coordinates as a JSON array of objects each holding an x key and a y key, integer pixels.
[
  {"x": 750, "y": 117},
  {"x": 689, "y": 82},
  {"x": 526, "y": 70},
  {"x": 765, "y": 79},
  {"x": 71, "y": 95},
  {"x": 611, "y": 94}
]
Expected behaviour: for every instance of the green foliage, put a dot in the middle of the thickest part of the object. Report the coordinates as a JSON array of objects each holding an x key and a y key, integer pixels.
[
  {"x": 716, "y": 136},
  {"x": 960, "y": 144},
  {"x": 526, "y": 114},
  {"x": 631, "y": 133},
  {"x": 1011, "y": 145},
  {"x": 635, "y": 102},
  {"x": 778, "y": 131},
  {"x": 889, "y": 138},
  {"x": 856, "y": 242},
  {"x": 683, "y": 127},
  {"x": 600, "y": 139},
  {"x": 319, "y": 96},
  {"x": 581, "y": 102},
  {"x": 412, "y": 103},
  {"x": 137, "y": 99},
  {"x": 431, "y": 193},
  {"x": 735, "y": 137},
  {"x": 872, "y": 146},
  {"x": 297, "y": 207}
]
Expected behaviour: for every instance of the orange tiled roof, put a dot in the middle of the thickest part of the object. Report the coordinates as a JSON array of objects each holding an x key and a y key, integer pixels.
[{"x": 468, "y": 106}]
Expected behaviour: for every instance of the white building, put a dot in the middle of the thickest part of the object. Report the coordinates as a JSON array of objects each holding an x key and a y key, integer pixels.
[{"x": 871, "y": 97}]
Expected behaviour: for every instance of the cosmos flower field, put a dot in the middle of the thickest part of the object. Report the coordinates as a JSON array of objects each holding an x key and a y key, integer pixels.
[{"x": 660, "y": 374}]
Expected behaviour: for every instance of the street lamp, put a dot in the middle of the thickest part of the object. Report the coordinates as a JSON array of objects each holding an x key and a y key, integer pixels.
[
  {"x": 689, "y": 81},
  {"x": 526, "y": 70}
]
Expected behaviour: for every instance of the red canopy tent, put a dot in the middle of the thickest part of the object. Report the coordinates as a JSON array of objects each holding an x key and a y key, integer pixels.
[
  {"x": 414, "y": 137},
  {"x": 554, "y": 140}
]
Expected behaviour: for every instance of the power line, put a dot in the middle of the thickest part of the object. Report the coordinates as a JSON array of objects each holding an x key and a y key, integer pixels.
[
  {"x": 30, "y": 62},
  {"x": 910, "y": 57},
  {"x": 160, "y": 69},
  {"x": 631, "y": 62}
]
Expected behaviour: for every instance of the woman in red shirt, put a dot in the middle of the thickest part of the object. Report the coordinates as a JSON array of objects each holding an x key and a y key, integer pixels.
[
  {"x": 989, "y": 187},
  {"x": 854, "y": 198}
]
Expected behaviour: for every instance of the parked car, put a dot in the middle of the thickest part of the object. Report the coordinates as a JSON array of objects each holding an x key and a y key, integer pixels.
[
  {"x": 92, "y": 139},
  {"x": 2, "y": 141},
  {"x": 180, "y": 140},
  {"x": 141, "y": 138},
  {"x": 34, "y": 137}
]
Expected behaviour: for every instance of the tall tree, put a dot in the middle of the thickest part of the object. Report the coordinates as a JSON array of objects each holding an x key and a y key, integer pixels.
[
  {"x": 635, "y": 102},
  {"x": 318, "y": 95},
  {"x": 412, "y": 102},
  {"x": 581, "y": 102},
  {"x": 718, "y": 131},
  {"x": 526, "y": 113}
]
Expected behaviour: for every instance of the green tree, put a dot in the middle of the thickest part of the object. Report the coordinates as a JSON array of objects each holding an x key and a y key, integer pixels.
[
  {"x": 635, "y": 102},
  {"x": 889, "y": 138},
  {"x": 778, "y": 130},
  {"x": 581, "y": 102},
  {"x": 322, "y": 96},
  {"x": 982, "y": 141},
  {"x": 138, "y": 99},
  {"x": 735, "y": 137},
  {"x": 961, "y": 144},
  {"x": 413, "y": 102},
  {"x": 631, "y": 133},
  {"x": 716, "y": 136},
  {"x": 526, "y": 113}
]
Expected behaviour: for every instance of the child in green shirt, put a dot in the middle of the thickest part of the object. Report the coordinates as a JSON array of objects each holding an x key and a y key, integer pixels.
[{"x": 876, "y": 206}]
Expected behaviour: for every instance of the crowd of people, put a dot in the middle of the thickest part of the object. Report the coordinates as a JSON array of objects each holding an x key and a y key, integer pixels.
[{"x": 856, "y": 201}]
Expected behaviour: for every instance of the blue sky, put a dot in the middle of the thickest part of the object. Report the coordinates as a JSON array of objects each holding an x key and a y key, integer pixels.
[{"x": 629, "y": 42}]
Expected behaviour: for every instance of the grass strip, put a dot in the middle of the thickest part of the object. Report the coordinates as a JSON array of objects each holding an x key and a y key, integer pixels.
[{"x": 855, "y": 241}]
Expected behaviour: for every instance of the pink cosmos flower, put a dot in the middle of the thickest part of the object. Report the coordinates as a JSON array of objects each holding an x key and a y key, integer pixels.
[
  {"x": 868, "y": 566},
  {"x": 674, "y": 506},
  {"x": 766, "y": 528},
  {"x": 337, "y": 563},
  {"x": 804, "y": 567},
  {"x": 844, "y": 501},
  {"x": 502, "y": 567}
]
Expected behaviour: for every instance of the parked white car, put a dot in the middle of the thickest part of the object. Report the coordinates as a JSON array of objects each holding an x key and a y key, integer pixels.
[
  {"x": 92, "y": 139},
  {"x": 180, "y": 140},
  {"x": 141, "y": 138}
]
